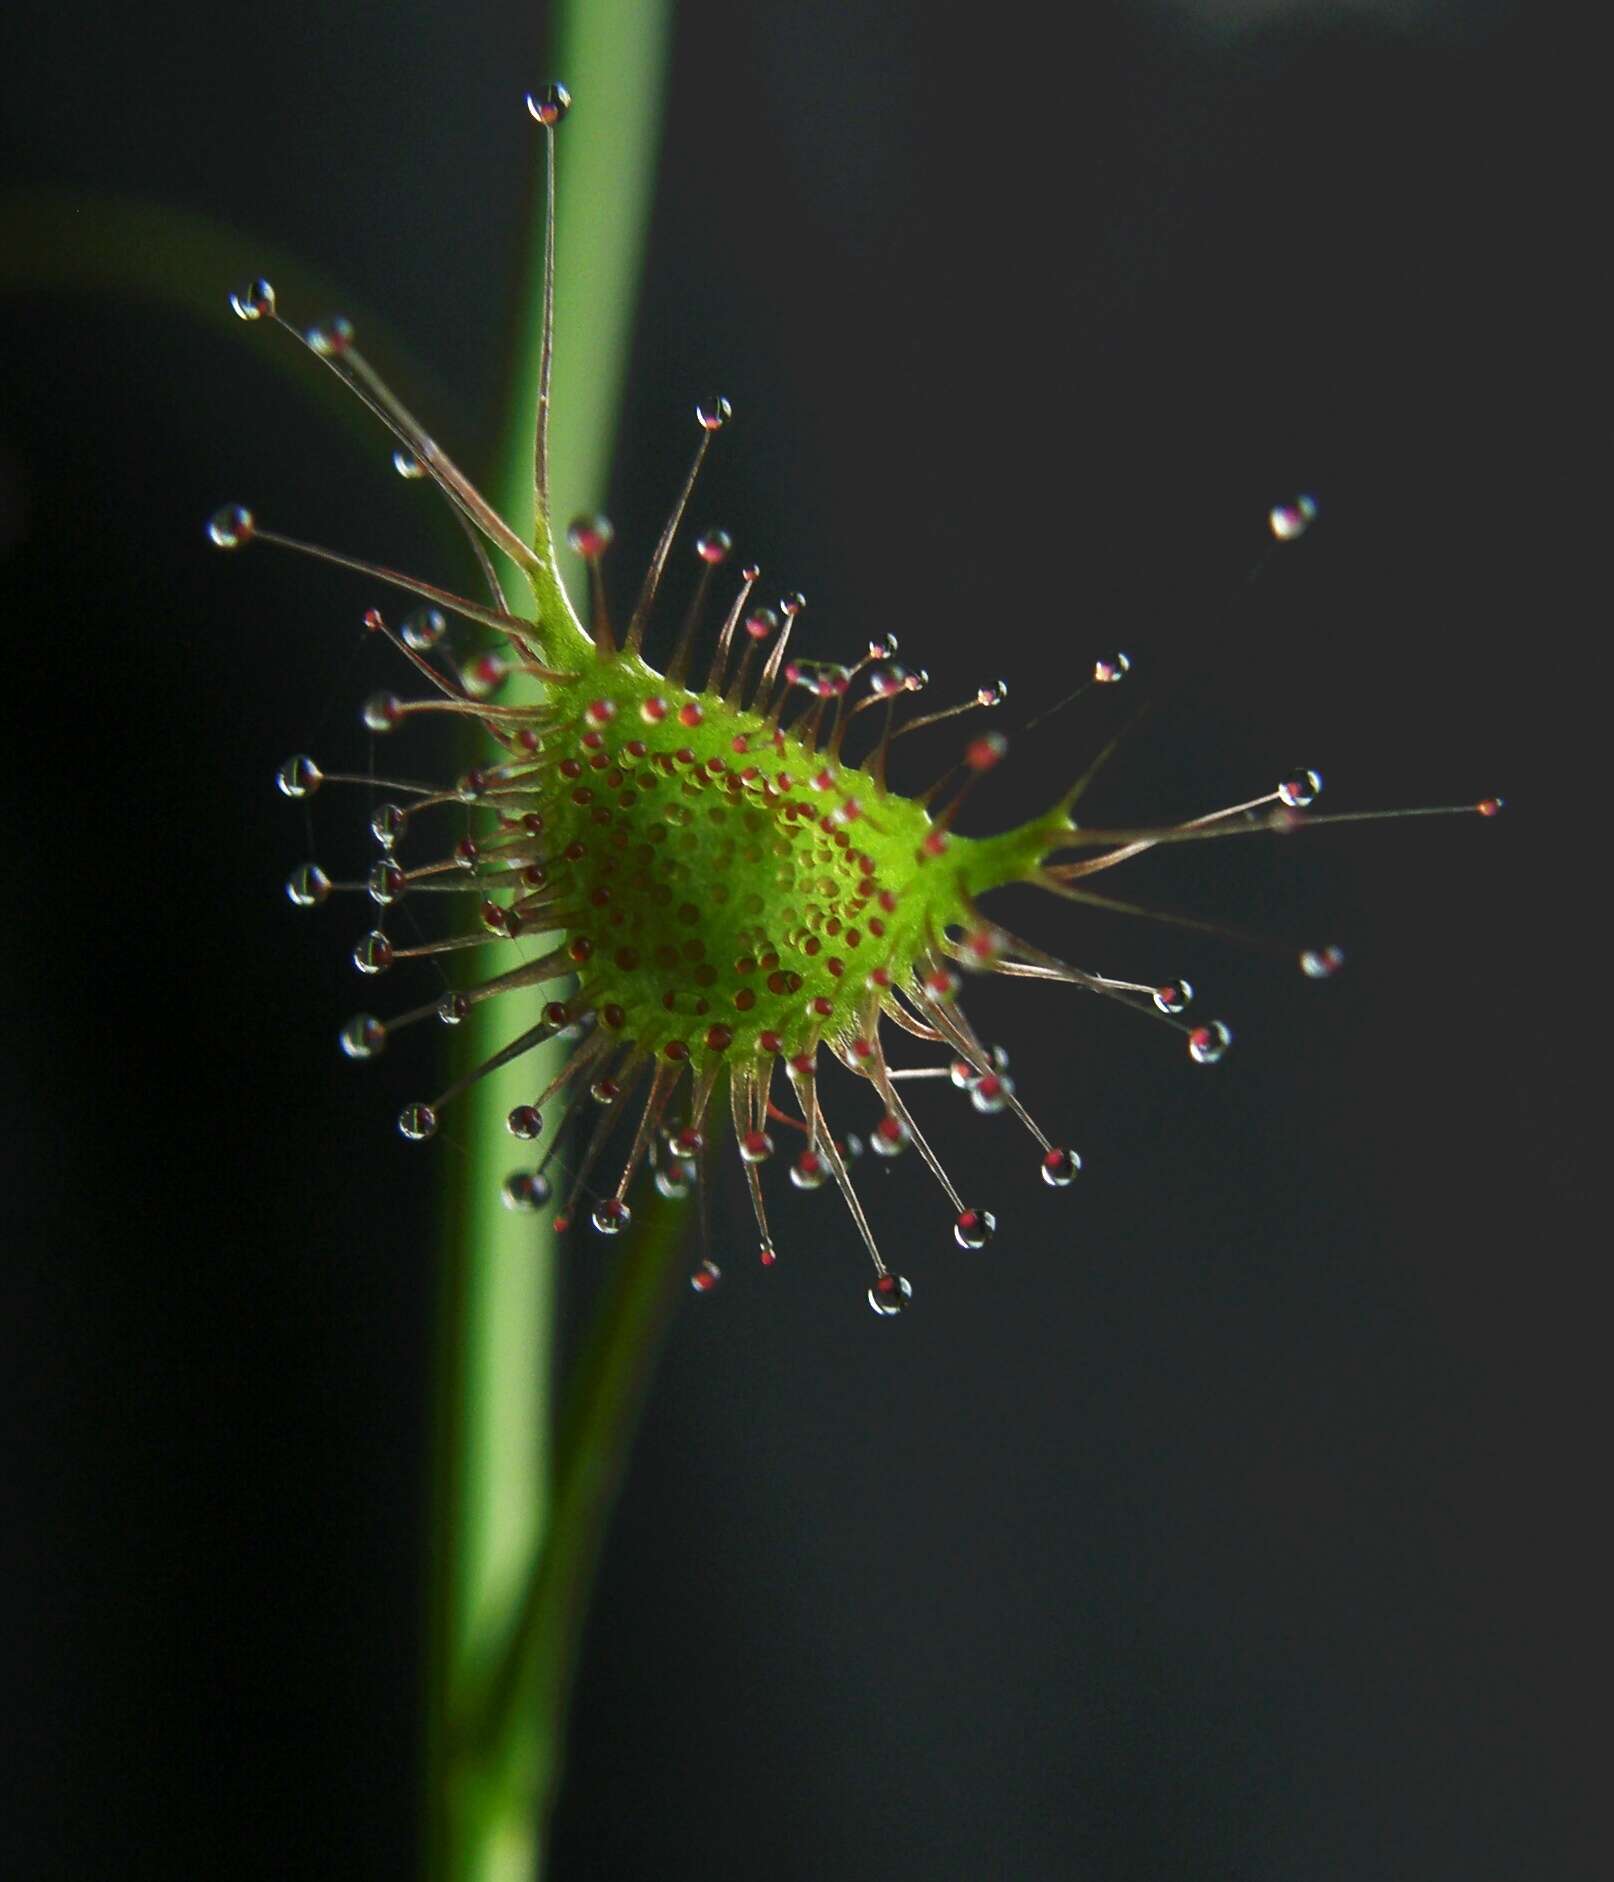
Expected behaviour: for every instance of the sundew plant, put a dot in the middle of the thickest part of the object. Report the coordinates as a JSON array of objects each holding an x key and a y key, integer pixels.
[
  {"x": 704, "y": 870},
  {"x": 684, "y": 875}
]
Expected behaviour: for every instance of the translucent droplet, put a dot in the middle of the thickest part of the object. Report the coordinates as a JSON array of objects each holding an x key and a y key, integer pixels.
[
  {"x": 407, "y": 465},
  {"x": 612, "y": 1216},
  {"x": 590, "y": 535},
  {"x": 387, "y": 823},
  {"x": 760, "y": 623},
  {"x": 372, "y": 953},
  {"x": 1208, "y": 1043},
  {"x": 382, "y": 711},
  {"x": 792, "y": 604},
  {"x": 363, "y": 1037},
  {"x": 767, "y": 1255},
  {"x": 1300, "y": 788},
  {"x": 605, "y": 1091},
  {"x": 332, "y": 337},
  {"x": 1111, "y": 667},
  {"x": 963, "y": 1074},
  {"x": 713, "y": 414},
  {"x": 851, "y": 1147},
  {"x": 299, "y": 777},
  {"x": 990, "y": 1093},
  {"x": 1289, "y": 520},
  {"x": 549, "y": 103},
  {"x": 809, "y": 1170},
  {"x": 706, "y": 1277},
  {"x": 675, "y": 1180},
  {"x": 1060, "y": 1168},
  {"x": 889, "y": 1295},
  {"x": 423, "y": 629},
  {"x": 417, "y": 1122},
  {"x": 714, "y": 546},
  {"x": 483, "y": 676},
  {"x": 453, "y": 1008},
  {"x": 1174, "y": 997},
  {"x": 231, "y": 528},
  {"x": 889, "y": 1138},
  {"x": 386, "y": 883},
  {"x": 525, "y": 1122},
  {"x": 255, "y": 302},
  {"x": 756, "y": 1147},
  {"x": 525, "y": 1190},
  {"x": 308, "y": 885},
  {"x": 1322, "y": 963},
  {"x": 975, "y": 1228}
]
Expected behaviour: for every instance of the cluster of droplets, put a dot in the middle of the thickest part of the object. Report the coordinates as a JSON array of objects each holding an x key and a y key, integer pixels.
[{"x": 723, "y": 895}]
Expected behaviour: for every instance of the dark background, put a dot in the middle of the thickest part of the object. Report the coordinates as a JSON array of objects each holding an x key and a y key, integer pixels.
[{"x": 1231, "y": 1518}]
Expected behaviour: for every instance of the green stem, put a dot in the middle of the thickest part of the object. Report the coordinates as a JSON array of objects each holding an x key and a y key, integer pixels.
[
  {"x": 514, "y": 1536},
  {"x": 516, "y": 1723}
]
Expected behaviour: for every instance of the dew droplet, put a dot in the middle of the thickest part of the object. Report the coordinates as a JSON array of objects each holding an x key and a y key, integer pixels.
[
  {"x": 675, "y": 1180},
  {"x": 982, "y": 753},
  {"x": 453, "y": 1008},
  {"x": 381, "y": 711},
  {"x": 1208, "y": 1043},
  {"x": 1300, "y": 788},
  {"x": 1322, "y": 963},
  {"x": 363, "y": 1037},
  {"x": 890, "y": 1136},
  {"x": 975, "y": 1228},
  {"x": 889, "y": 1295},
  {"x": 525, "y": 1190},
  {"x": 525, "y": 1122},
  {"x": 407, "y": 465},
  {"x": 308, "y": 885},
  {"x": 1112, "y": 667},
  {"x": 756, "y": 1147},
  {"x": 605, "y": 1091},
  {"x": 714, "y": 546},
  {"x": 590, "y": 535},
  {"x": 422, "y": 630},
  {"x": 386, "y": 883},
  {"x": 1060, "y": 1168},
  {"x": 549, "y": 103},
  {"x": 1289, "y": 520},
  {"x": 255, "y": 302},
  {"x": 990, "y": 1093},
  {"x": 963, "y": 1074},
  {"x": 706, "y": 1277},
  {"x": 299, "y": 776},
  {"x": 485, "y": 675},
  {"x": 387, "y": 823},
  {"x": 330, "y": 338},
  {"x": 714, "y": 413},
  {"x": 417, "y": 1122},
  {"x": 1173, "y": 997},
  {"x": 767, "y": 1255},
  {"x": 231, "y": 528},
  {"x": 611, "y": 1216},
  {"x": 372, "y": 953},
  {"x": 760, "y": 623},
  {"x": 809, "y": 1170}
]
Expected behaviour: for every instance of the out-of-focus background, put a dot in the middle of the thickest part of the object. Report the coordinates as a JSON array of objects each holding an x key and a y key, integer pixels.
[{"x": 1229, "y": 1518}]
